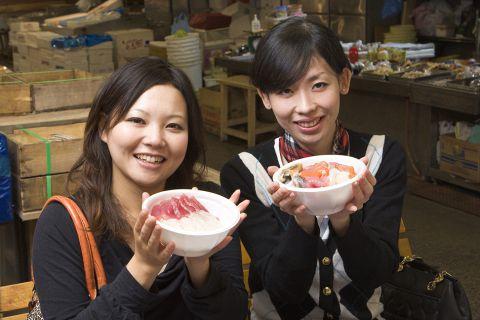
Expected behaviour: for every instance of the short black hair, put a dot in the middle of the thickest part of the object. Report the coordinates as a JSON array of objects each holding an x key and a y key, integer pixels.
[{"x": 284, "y": 54}]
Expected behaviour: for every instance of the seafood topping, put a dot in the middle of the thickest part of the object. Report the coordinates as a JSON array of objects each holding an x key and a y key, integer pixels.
[
  {"x": 186, "y": 213},
  {"x": 322, "y": 174}
]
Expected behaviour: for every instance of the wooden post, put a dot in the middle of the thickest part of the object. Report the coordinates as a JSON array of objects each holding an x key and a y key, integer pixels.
[
  {"x": 223, "y": 111},
  {"x": 251, "y": 114}
]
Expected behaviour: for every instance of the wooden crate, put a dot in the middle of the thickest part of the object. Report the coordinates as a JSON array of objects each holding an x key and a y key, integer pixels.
[
  {"x": 31, "y": 193},
  {"x": 51, "y": 90},
  {"x": 210, "y": 103},
  {"x": 460, "y": 158},
  {"x": 14, "y": 96},
  {"x": 28, "y": 155}
]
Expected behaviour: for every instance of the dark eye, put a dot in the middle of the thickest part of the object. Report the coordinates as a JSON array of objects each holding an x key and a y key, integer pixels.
[
  {"x": 136, "y": 120},
  {"x": 174, "y": 126},
  {"x": 285, "y": 92},
  {"x": 319, "y": 85}
]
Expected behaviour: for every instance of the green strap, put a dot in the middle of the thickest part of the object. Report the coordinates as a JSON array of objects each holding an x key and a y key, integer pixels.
[{"x": 48, "y": 177}]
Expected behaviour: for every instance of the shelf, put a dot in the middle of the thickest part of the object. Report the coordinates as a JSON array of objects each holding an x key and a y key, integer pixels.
[
  {"x": 436, "y": 173},
  {"x": 446, "y": 39}
]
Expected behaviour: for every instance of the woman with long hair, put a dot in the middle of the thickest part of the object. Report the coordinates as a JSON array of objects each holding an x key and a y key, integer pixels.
[{"x": 143, "y": 135}]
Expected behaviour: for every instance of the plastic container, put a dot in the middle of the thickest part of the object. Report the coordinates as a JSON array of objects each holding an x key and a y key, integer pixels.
[
  {"x": 256, "y": 27},
  {"x": 185, "y": 53},
  {"x": 6, "y": 211}
]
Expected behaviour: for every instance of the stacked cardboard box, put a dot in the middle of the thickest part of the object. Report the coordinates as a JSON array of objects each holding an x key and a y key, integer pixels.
[
  {"x": 100, "y": 58},
  {"x": 34, "y": 167},
  {"x": 130, "y": 44},
  {"x": 75, "y": 58},
  {"x": 31, "y": 47}
]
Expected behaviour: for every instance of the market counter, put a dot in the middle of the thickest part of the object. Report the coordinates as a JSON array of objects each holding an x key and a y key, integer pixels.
[{"x": 407, "y": 111}]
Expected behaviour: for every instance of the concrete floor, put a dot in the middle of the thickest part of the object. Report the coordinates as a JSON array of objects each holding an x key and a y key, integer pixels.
[{"x": 442, "y": 236}]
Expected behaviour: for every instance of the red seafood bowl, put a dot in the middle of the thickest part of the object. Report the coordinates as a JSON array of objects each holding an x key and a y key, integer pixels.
[
  {"x": 322, "y": 191},
  {"x": 196, "y": 221}
]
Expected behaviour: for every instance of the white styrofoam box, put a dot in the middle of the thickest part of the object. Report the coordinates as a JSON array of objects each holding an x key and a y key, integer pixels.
[{"x": 24, "y": 26}]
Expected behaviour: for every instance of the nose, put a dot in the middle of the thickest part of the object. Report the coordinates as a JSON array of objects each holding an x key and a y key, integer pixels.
[
  {"x": 154, "y": 136},
  {"x": 305, "y": 102}
]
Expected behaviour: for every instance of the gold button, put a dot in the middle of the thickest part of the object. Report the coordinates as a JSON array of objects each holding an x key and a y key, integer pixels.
[
  {"x": 327, "y": 291},
  {"x": 326, "y": 261}
]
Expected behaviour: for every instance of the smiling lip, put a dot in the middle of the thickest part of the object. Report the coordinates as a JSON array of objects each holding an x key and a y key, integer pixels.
[
  {"x": 309, "y": 126},
  {"x": 149, "y": 160}
]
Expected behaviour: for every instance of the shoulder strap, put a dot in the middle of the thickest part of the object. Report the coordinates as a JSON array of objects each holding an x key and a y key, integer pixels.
[
  {"x": 375, "y": 153},
  {"x": 92, "y": 263}
]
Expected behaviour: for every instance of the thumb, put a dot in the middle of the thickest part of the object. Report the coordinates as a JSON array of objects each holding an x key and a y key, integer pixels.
[
  {"x": 365, "y": 160},
  {"x": 272, "y": 169},
  {"x": 145, "y": 195}
]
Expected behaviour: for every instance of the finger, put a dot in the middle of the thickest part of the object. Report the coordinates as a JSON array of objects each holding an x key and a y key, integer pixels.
[
  {"x": 358, "y": 197},
  {"x": 271, "y": 170},
  {"x": 140, "y": 221},
  {"x": 235, "y": 196},
  {"x": 243, "y": 215},
  {"x": 281, "y": 194},
  {"x": 194, "y": 188},
  {"x": 147, "y": 229},
  {"x": 167, "y": 252},
  {"x": 300, "y": 210},
  {"x": 154, "y": 240},
  {"x": 351, "y": 207},
  {"x": 365, "y": 160},
  {"x": 221, "y": 245},
  {"x": 366, "y": 187},
  {"x": 273, "y": 187},
  {"x": 370, "y": 178},
  {"x": 145, "y": 195},
  {"x": 243, "y": 205},
  {"x": 287, "y": 202}
]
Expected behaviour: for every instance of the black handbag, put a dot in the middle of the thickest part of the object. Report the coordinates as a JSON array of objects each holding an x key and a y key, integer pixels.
[{"x": 419, "y": 291}]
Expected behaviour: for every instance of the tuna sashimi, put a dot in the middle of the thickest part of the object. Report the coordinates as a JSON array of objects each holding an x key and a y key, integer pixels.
[{"x": 186, "y": 213}]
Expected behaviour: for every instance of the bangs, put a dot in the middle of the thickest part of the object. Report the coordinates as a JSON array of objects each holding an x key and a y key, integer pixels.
[{"x": 275, "y": 72}]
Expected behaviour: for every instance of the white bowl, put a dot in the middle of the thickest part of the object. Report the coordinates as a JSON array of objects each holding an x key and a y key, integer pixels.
[
  {"x": 323, "y": 201},
  {"x": 194, "y": 244}
]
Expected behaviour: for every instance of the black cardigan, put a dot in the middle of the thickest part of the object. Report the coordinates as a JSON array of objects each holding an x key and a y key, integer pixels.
[
  {"x": 284, "y": 257},
  {"x": 60, "y": 280}
]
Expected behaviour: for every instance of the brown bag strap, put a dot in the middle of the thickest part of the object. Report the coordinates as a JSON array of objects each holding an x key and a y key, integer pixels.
[{"x": 92, "y": 263}]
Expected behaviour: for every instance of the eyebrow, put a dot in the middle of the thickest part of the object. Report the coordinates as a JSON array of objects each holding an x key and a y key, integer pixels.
[
  {"x": 315, "y": 76},
  {"x": 174, "y": 115},
  {"x": 140, "y": 110}
]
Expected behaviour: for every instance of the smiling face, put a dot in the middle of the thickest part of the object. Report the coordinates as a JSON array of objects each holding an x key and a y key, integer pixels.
[
  {"x": 149, "y": 143},
  {"x": 309, "y": 108}
]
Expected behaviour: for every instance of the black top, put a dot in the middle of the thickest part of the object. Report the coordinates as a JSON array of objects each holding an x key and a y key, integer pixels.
[
  {"x": 284, "y": 257},
  {"x": 60, "y": 279}
]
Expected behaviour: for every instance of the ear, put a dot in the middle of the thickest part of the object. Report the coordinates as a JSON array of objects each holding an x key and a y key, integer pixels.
[
  {"x": 344, "y": 80},
  {"x": 265, "y": 99},
  {"x": 102, "y": 132}
]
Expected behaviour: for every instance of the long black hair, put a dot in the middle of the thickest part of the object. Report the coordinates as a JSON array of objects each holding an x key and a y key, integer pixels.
[
  {"x": 94, "y": 168},
  {"x": 284, "y": 54}
]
